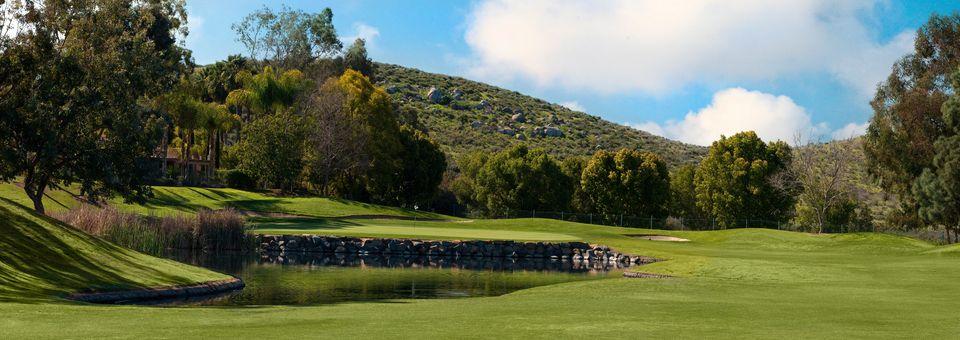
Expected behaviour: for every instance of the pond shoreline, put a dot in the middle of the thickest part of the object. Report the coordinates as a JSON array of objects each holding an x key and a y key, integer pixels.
[{"x": 160, "y": 293}]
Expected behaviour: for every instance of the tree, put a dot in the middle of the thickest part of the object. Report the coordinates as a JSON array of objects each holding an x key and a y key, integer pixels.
[
  {"x": 520, "y": 179},
  {"x": 627, "y": 182},
  {"x": 66, "y": 114},
  {"x": 267, "y": 92},
  {"x": 938, "y": 187},
  {"x": 371, "y": 106},
  {"x": 899, "y": 143},
  {"x": 423, "y": 165},
  {"x": 336, "y": 146},
  {"x": 289, "y": 39},
  {"x": 272, "y": 150},
  {"x": 357, "y": 60},
  {"x": 573, "y": 169},
  {"x": 820, "y": 174},
  {"x": 683, "y": 193},
  {"x": 734, "y": 180}
]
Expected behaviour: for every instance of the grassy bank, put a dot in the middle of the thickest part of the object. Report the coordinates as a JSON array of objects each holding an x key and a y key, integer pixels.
[
  {"x": 41, "y": 258},
  {"x": 189, "y": 200}
]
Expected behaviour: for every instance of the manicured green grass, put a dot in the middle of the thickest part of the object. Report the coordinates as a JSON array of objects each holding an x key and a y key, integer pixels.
[
  {"x": 432, "y": 230},
  {"x": 187, "y": 200},
  {"x": 40, "y": 258},
  {"x": 744, "y": 283}
]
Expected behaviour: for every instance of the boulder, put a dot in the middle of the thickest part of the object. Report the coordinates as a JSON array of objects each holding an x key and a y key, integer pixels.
[
  {"x": 519, "y": 118},
  {"x": 456, "y": 94},
  {"x": 506, "y": 131},
  {"x": 435, "y": 95}
]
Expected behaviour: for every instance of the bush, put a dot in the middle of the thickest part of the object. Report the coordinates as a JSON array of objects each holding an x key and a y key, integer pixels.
[{"x": 237, "y": 179}]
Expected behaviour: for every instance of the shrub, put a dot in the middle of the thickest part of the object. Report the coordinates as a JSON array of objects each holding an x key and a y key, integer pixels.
[{"x": 236, "y": 178}]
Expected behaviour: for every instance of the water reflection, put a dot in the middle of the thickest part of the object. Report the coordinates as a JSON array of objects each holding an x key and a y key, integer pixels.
[{"x": 314, "y": 278}]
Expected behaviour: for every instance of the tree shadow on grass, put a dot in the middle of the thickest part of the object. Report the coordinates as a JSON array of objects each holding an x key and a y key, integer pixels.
[{"x": 39, "y": 261}]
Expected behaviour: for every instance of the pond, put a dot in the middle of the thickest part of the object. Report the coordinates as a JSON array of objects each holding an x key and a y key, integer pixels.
[{"x": 317, "y": 279}]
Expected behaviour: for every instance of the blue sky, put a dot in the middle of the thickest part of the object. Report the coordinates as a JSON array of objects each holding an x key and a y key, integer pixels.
[{"x": 690, "y": 70}]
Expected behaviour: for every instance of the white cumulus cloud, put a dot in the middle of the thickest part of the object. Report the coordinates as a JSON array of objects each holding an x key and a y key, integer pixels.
[
  {"x": 653, "y": 46},
  {"x": 850, "y": 130},
  {"x": 362, "y": 31},
  {"x": 573, "y": 105},
  {"x": 734, "y": 110}
]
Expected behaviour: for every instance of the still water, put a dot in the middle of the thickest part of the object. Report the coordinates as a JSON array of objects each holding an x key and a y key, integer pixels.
[{"x": 316, "y": 279}]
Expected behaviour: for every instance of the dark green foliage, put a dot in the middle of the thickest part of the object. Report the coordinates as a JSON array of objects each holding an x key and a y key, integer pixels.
[
  {"x": 938, "y": 188},
  {"x": 423, "y": 168},
  {"x": 573, "y": 169},
  {"x": 67, "y": 114},
  {"x": 899, "y": 143},
  {"x": 734, "y": 181},
  {"x": 272, "y": 150},
  {"x": 491, "y": 108},
  {"x": 515, "y": 179},
  {"x": 627, "y": 182},
  {"x": 237, "y": 179},
  {"x": 221, "y": 78},
  {"x": 356, "y": 59},
  {"x": 683, "y": 193}
]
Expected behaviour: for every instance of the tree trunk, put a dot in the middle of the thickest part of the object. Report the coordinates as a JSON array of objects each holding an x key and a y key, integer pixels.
[{"x": 35, "y": 189}]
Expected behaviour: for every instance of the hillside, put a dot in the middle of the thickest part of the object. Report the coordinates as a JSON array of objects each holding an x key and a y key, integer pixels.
[
  {"x": 465, "y": 116},
  {"x": 42, "y": 257}
]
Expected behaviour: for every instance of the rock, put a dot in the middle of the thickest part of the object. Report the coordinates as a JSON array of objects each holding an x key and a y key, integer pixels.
[
  {"x": 520, "y": 136},
  {"x": 483, "y": 104},
  {"x": 519, "y": 118},
  {"x": 551, "y": 131},
  {"x": 435, "y": 95},
  {"x": 506, "y": 131},
  {"x": 456, "y": 94},
  {"x": 476, "y": 124},
  {"x": 392, "y": 89}
]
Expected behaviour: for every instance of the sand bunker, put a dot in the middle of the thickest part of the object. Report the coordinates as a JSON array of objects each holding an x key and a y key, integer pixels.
[{"x": 661, "y": 238}]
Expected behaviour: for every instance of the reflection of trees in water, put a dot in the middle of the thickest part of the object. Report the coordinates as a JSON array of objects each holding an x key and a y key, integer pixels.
[{"x": 315, "y": 278}]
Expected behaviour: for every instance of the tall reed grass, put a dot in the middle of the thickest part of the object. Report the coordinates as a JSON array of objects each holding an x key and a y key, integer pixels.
[{"x": 209, "y": 230}]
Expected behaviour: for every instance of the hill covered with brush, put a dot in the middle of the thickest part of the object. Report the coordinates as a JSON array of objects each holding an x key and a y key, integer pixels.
[{"x": 464, "y": 116}]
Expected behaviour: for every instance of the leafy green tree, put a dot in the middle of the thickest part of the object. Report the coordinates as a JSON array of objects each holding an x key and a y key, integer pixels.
[
  {"x": 267, "y": 92},
  {"x": 423, "y": 167},
  {"x": 734, "y": 181},
  {"x": 521, "y": 179},
  {"x": 464, "y": 186},
  {"x": 683, "y": 193},
  {"x": 221, "y": 78},
  {"x": 289, "y": 39},
  {"x": 573, "y": 169},
  {"x": 372, "y": 107},
  {"x": 938, "y": 187},
  {"x": 272, "y": 150},
  {"x": 67, "y": 114},
  {"x": 899, "y": 143},
  {"x": 356, "y": 58},
  {"x": 627, "y": 182}
]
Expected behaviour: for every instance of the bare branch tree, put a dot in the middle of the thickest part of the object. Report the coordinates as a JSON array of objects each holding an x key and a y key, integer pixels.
[
  {"x": 819, "y": 174},
  {"x": 335, "y": 143}
]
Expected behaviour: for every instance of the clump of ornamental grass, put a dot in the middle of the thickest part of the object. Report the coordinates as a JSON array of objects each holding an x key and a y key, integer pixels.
[{"x": 207, "y": 230}]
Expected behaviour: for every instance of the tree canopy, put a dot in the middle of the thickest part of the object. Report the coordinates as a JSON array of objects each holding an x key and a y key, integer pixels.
[
  {"x": 66, "y": 114},
  {"x": 289, "y": 39},
  {"x": 627, "y": 182},
  {"x": 899, "y": 143},
  {"x": 938, "y": 187},
  {"x": 734, "y": 180}
]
